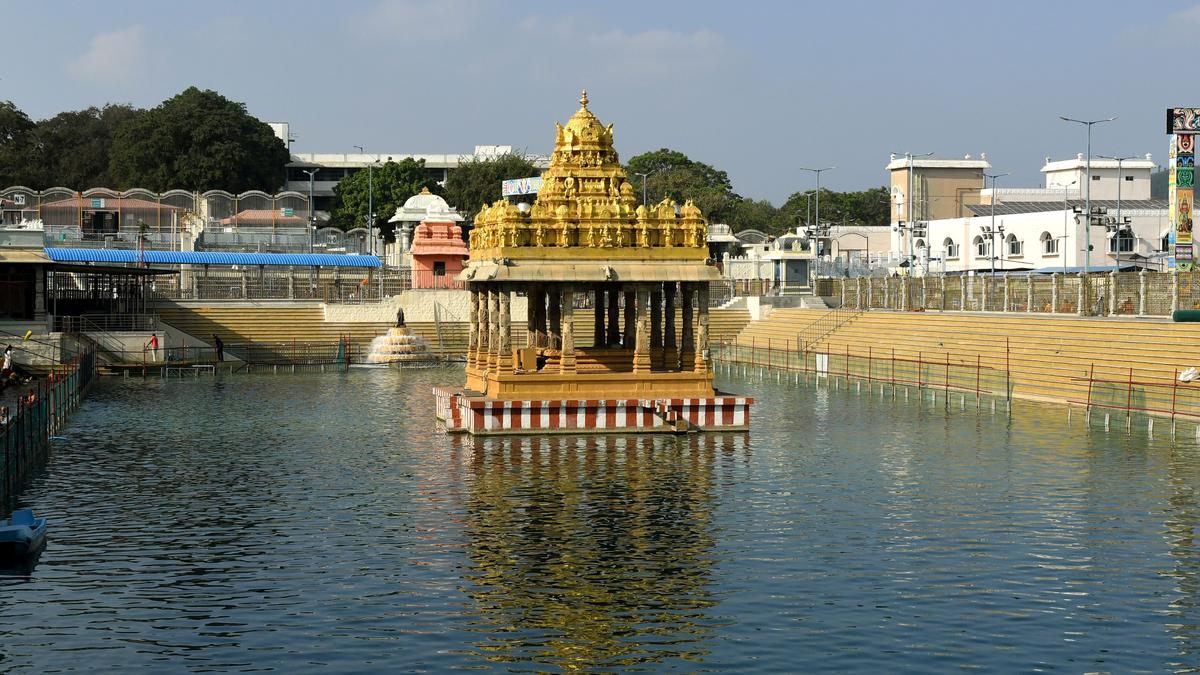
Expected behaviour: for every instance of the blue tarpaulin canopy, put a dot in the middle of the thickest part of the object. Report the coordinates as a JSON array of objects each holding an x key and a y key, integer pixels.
[{"x": 112, "y": 255}]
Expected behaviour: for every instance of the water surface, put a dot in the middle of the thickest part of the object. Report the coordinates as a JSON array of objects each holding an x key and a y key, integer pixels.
[{"x": 321, "y": 522}]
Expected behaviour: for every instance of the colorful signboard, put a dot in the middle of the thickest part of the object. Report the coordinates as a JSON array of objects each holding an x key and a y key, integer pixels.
[
  {"x": 1182, "y": 124},
  {"x": 97, "y": 202},
  {"x": 521, "y": 186}
]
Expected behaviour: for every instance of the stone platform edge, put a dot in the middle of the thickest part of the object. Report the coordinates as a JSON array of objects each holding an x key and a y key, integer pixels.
[{"x": 474, "y": 414}]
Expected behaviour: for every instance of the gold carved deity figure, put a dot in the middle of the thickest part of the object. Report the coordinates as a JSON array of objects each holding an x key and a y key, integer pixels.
[{"x": 539, "y": 234}]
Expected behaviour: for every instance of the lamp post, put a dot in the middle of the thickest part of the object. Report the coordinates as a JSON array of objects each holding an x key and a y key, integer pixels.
[
  {"x": 818, "y": 173},
  {"x": 992, "y": 228},
  {"x": 370, "y": 202},
  {"x": 1066, "y": 212},
  {"x": 644, "y": 177},
  {"x": 1120, "y": 221},
  {"x": 1087, "y": 200},
  {"x": 908, "y": 156},
  {"x": 312, "y": 211}
]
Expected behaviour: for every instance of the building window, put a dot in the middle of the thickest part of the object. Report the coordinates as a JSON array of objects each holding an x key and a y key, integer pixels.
[
  {"x": 1015, "y": 246},
  {"x": 1121, "y": 242},
  {"x": 951, "y": 248},
  {"x": 981, "y": 247},
  {"x": 1049, "y": 244},
  {"x": 1095, "y": 177},
  {"x": 439, "y": 268},
  {"x": 1165, "y": 244},
  {"x": 1129, "y": 179}
]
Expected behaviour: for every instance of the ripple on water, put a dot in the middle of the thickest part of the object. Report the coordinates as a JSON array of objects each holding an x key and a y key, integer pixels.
[{"x": 322, "y": 523}]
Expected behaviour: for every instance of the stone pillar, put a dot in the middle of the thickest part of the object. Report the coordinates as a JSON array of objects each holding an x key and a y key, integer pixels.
[
  {"x": 599, "y": 336},
  {"x": 641, "y": 341},
  {"x": 1007, "y": 297},
  {"x": 1174, "y": 290},
  {"x": 554, "y": 318},
  {"x": 687, "y": 351},
  {"x": 473, "y": 336},
  {"x": 924, "y": 287},
  {"x": 566, "y": 362},
  {"x": 887, "y": 293},
  {"x": 702, "y": 353},
  {"x": 670, "y": 351},
  {"x": 858, "y": 294},
  {"x": 632, "y": 309},
  {"x": 614, "y": 318},
  {"x": 484, "y": 331},
  {"x": 656, "y": 336},
  {"x": 1029, "y": 293},
  {"x": 870, "y": 291},
  {"x": 539, "y": 308},
  {"x": 504, "y": 357},
  {"x": 1112, "y": 293},
  {"x": 984, "y": 296},
  {"x": 962, "y": 292},
  {"x": 942, "y": 290},
  {"x": 493, "y": 329},
  {"x": 1142, "y": 293},
  {"x": 1082, "y": 295},
  {"x": 905, "y": 290},
  {"x": 842, "y": 288},
  {"x": 1055, "y": 284}
]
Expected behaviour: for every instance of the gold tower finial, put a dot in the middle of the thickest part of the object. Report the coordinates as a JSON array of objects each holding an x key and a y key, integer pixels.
[{"x": 583, "y": 99}]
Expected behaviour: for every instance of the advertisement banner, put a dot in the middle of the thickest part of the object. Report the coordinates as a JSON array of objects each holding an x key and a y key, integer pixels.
[{"x": 521, "y": 186}]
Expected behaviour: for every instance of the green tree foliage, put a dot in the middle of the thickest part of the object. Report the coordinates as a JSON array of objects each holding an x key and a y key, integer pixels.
[
  {"x": 674, "y": 175},
  {"x": 864, "y": 207},
  {"x": 476, "y": 181},
  {"x": 394, "y": 183},
  {"x": 15, "y": 140},
  {"x": 72, "y": 149},
  {"x": 198, "y": 140}
]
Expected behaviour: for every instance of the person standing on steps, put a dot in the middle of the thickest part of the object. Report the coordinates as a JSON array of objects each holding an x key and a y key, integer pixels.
[
  {"x": 220, "y": 347},
  {"x": 399, "y": 317},
  {"x": 152, "y": 345}
]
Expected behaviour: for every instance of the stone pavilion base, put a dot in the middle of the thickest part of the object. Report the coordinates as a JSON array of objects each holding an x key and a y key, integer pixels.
[{"x": 471, "y": 412}]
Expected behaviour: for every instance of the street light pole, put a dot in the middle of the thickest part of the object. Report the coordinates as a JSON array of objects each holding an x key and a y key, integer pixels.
[
  {"x": 644, "y": 177},
  {"x": 818, "y": 173},
  {"x": 1120, "y": 221},
  {"x": 312, "y": 211},
  {"x": 992, "y": 227},
  {"x": 1066, "y": 210},
  {"x": 1087, "y": 202}
]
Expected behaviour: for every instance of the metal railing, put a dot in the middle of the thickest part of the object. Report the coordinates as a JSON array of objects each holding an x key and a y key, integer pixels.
[
  {"x": 824, "y": 325},
  {"x": 106, "y": 323},
  {"x": 26, "y": 427}
]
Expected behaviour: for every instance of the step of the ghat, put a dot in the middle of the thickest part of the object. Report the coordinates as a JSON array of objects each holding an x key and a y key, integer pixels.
[{"x": 1046, "y": 357}]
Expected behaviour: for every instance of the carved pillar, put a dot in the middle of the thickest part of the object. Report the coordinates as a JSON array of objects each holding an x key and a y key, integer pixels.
[
  {"x": 641, "y": 342},
  {"x": 599, "y": 337},
  {"x": 539, "y": 327},
  {"x": 670, "y": 351},
  {"x": 656, "y": 336},
  {"x": 493, "y": 329},
  {"x": 614, "y": 318},
  {"x": 1142, "y": 293},
  {"x": 701, "y": 359},
  {"x": 473, "y": 336},
  {"x": 687, "y": 351},
  {"x": 632, "y": 309},
  {"x": 1054, "y": 286},
  {"x": 530, "y": 319},
  {"x": 554, "y": 318},
  {"x": 504, "y": 358},
  {"x": 481, "y": 339},
  {"x": 566, "y": 362}
]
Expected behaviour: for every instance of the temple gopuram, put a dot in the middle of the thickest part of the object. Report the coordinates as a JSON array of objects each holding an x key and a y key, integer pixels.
[{"x": 642, "y": 270}]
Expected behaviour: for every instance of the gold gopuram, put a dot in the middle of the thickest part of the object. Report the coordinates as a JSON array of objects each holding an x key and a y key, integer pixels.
[{"x": 585, "y": 241}]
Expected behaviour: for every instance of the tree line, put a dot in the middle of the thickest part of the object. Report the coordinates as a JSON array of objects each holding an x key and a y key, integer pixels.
[{"x": 199, "y": 140}]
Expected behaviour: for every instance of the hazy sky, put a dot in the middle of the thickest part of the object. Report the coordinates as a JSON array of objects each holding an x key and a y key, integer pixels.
[{"x": 754, "y": 88}]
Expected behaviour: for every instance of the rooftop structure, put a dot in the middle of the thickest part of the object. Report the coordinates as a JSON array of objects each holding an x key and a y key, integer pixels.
[{"x": 585, "y": 235}]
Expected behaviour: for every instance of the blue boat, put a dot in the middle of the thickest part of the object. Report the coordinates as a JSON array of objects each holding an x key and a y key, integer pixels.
[{"x": 22, "y": 534}]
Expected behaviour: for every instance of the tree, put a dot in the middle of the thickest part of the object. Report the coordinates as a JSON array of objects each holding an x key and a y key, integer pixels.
[
  {"x": 865, "y": 207},
  {"x": 477, "y": 180},
  {"x": 198, "y": 140},
  {"x": 15, "y": 140},
  {"x": 750, "y": 214},
  {"x": 72, "y": 148},
  {"x": 674, "y": 175},
  {"x": 394, "y": 183}
]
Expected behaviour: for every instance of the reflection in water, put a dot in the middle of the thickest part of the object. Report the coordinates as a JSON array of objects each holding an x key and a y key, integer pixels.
[
  {"x": 592, "y": 552},
  {"x": 1183, "y": 519}
]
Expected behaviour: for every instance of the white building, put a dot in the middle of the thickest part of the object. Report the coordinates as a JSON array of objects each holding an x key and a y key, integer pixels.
[{"x": 1041, "y": 229}]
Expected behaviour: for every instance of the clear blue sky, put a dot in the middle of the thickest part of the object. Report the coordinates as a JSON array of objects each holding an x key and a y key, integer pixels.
[{"x": 754, "y": 88}]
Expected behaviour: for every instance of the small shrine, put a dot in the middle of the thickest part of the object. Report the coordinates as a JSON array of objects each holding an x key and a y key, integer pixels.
[
  {"x": 438, "y": 251},
  {"x": 644, "y": 271}
]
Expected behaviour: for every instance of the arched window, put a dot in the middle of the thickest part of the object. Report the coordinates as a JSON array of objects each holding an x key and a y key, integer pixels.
[
  {"x": 981, "y": 246},
  {"x": 920, "y": 244},
  {"x": 951, "y": 248},
  {"x": 1165, "y": 244},
  {"x": 1049, "y": 244},
  {"x": 1015, "y": 246}
]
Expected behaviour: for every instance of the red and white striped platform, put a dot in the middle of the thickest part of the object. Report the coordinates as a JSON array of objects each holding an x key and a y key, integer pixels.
[{"x": 485, "y": 416}]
